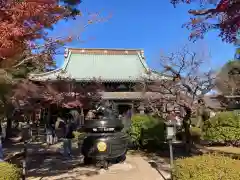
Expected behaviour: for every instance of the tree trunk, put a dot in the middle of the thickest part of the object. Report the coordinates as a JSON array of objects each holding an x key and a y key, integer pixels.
[
  {"x": 9, "y": 126},
  {"x": 186, "y": 126},
  {"x": 10, "y": 117}
]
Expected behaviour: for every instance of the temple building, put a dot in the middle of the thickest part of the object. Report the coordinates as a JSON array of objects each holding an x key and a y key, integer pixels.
[{"x": 119, "y": 70}]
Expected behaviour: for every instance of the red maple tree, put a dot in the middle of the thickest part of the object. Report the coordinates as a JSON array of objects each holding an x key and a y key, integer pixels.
[
  {"x": 214, "y": 14},
  {"x": 25, "y": 40},
  {"x": 65, "y": 93},
  {"x": 24, "y": 22}
]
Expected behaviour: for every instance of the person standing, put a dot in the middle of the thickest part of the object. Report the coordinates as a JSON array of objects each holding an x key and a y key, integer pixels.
[
  {"x": 49, "y": 134},
  {"x": 53, "y": 127},
  {"x": 68, "y": 136},
  {"x": 75, "y": 117}
]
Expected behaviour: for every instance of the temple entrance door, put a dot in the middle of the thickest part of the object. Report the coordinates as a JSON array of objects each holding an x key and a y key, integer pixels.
[{"x": 123, "y": 108}]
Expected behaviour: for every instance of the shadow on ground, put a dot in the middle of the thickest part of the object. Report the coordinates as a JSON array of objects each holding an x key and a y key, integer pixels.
[
  {"x": 14, "y": 150},
  {"x": 52, "y": 165},
  {"x": 47, "y": 162},
  {"x": 57, "y": 165}
]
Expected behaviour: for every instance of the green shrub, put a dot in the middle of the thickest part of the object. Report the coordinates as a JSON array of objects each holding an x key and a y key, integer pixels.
[
  {"x": 136, "y": 129},
  {"x": 78, "y": 135},
  {"x": 146, "y": 130},
  {"x": 207, "y": 167},
  {"x": 9, "y": 171},
  {"x": 224, "y": 127}
]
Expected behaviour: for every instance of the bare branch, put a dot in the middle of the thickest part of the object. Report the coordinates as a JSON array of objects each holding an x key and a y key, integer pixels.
[{"x": 188, "y": 83}]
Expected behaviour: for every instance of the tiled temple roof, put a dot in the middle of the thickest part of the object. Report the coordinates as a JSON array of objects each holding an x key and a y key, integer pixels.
[{"x": 106, "y": 65}]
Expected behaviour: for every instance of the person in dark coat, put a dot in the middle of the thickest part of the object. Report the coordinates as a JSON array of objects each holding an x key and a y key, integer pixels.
[{"x": 68, "y": 136}]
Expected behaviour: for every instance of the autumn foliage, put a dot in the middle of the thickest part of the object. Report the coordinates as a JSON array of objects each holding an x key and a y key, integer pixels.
[
  {"x": 26, "y": 47},
  {"x": 65, "y": 93},
  {"x": 214, "y": 14},
  {"x": 24, "y": 21}
]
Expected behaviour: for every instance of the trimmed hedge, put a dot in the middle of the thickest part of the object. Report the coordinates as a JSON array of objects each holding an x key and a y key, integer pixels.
[
  {"x": 146, "y": 131},
  {"x": 207, "y": 167},
  {"x": 224, "y": 128},
  {"x": 9, "y": 171}
]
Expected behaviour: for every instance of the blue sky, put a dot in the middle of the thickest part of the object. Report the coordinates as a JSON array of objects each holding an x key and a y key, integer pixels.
[{"x": 155, "y": 26}]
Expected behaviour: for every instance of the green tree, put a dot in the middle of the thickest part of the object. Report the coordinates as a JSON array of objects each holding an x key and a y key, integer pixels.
[{"x": 228, "y": 79}]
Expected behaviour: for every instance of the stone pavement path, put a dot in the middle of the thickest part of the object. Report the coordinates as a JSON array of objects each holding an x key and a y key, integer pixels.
[
  {"x": 138, "y": 169},
  {"x": 134, "y": 168}
]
